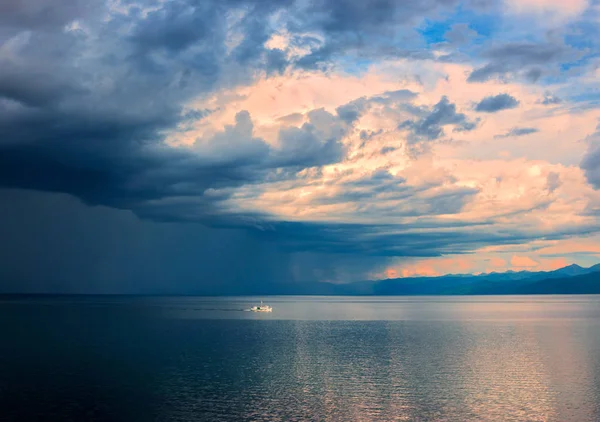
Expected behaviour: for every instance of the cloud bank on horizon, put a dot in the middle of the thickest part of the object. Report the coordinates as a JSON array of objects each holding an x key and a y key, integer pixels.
[{"x": 336, "y": 140}]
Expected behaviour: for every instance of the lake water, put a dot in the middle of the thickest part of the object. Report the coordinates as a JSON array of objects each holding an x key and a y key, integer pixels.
[{"x": 527, "y": 358}]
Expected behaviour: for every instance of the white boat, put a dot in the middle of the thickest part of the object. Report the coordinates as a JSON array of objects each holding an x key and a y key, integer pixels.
[{"x": 261, "y": 308}]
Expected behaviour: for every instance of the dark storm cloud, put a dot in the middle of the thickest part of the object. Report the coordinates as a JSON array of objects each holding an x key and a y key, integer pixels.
[
  {"x": 421, "y": 239},
  {"x": 126, "y": 172},
  {"x": 527, "y": 59},
  {"x": 52, "y": 243},
  {"x": 430, "y": 125},
  {"x": 350, "y": 16},
  {"x": 517, "y": 131},
  {"x": 496, "y": 103},
  {"x": 175, "y": 26},
  {"x": 349, "y": 25},
  {"x": 92, "y": 125},
  {"x": 33, "y": 88},
  {"x": 376, "y": 240},
  {"x": 89, "y": 90},
  {"x": 39, "y": 14}
]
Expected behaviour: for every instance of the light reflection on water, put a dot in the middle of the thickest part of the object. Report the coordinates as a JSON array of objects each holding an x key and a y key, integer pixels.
[
  {"x": 364, "y": 359},
  {"x": 417, "y": 308}
]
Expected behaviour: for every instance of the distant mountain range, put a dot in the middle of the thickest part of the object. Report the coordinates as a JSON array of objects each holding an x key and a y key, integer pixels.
[{"x": 572, "y": 279}]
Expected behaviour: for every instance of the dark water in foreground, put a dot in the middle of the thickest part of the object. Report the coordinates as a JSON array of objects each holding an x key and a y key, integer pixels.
[{"x": 189, "y": 359}]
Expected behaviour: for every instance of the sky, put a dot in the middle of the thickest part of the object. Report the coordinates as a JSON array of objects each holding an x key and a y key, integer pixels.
[{"x": 195, "y": 146}]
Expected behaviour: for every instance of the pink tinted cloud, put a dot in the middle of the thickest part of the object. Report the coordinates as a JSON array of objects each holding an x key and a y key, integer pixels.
[
  {"x": 523, "y": 262},
  {"x": 429, "y": 268},
  {"x": 557, "y": 263},
  {"x": 572, "y": 246},
  {"x": 498, "y": 262},
  {"x": 475, "y": 264}
]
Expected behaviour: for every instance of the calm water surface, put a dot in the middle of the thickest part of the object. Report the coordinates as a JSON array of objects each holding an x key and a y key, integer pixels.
[{"x": 506, "y": 358}]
